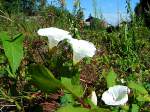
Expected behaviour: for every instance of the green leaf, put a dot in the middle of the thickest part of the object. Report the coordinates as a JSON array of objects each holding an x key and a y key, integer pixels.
[
  {"x": 76, "y": 90},
  {"x": 95, "y": 108},
  {"x": 143, "y": 98},
  {"x": 67, "y": 99},
  {"x": 135, "y": 108},
  {"x": 75, "y": 80},
  {"x": 125, "y": 108},
  {"x": 44, "y": 79},
  {"x": 111, "y": 78},
  {"x": 137, "y": 87},
  {"x": 100, "y": 110},
  {"x": 13, "y": 49},
  {"x": 70, "y": 108}
]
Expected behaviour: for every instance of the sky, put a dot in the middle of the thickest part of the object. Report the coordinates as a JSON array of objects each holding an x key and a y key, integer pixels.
[{"x": 108, "y": 9}]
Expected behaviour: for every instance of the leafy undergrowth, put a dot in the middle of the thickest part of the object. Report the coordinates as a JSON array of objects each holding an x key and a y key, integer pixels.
[{"x": 35, "y": 78}]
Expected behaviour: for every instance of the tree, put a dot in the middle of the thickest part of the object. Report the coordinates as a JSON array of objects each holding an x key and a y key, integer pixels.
[
  {"x": 10, "y": 6},
  {"x": 143, "y": 9},
  {"x": 16, "y": 6}
]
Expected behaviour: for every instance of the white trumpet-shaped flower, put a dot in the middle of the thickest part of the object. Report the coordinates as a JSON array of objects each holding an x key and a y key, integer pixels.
[
  {"x": 116, "y": 95},
  {"x": 55, "y": 35},
  {"x": 94, "y": 98},
  {"x": 81, "y": 48}
]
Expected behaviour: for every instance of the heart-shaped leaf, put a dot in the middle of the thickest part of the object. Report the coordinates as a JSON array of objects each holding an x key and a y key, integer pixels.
[
  {"x": 76, "y": 90},
  {"x": 44, "y": 79},
  {"x": 111, "y": 78},
  {"x": 13, "y": 49},
  {"x": 137, "y": 87}
]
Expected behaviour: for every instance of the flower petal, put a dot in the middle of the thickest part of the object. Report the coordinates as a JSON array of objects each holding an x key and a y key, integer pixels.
[
  {"x": 116, "y": 95},
  {"x": 55, "y": 35},
  {"x": 94, "y": 98},
  {"x": 81, "y": 49}
]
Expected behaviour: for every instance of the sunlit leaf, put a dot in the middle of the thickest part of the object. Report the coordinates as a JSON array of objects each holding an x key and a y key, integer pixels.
[
  {"x": 67, "y": 99},
  {"x": 95, "y": 108},
  {"x": 143, "y": 98},
  {"x": 137, "y": 87},
  {"x": 76, "y": 90},
  {"x": 44, "y": 79},
  {"x": 100, "y": 110},
  {"x": 111, "y": 78},
  {"x": 135, "y": 108},
  {"x": 13, "y": 49},
  {"x": 70, "y": 108}
]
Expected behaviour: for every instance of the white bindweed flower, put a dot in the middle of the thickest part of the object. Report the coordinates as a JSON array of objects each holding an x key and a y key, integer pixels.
[
  {"x": 55, "y": 35},
  {"x": 116, "y": 95},
  {"x": 94, "y": 98},
  {"x": 81, "y": 49}
]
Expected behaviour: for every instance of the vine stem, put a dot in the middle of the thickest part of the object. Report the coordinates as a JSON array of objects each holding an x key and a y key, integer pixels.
[{"x": 6, "y": 18}]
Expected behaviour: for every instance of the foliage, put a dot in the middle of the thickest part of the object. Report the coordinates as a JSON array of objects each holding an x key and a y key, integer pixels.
[
  {"x": 31, "y": 76},
  {"x": 44, "y": 79},
  {"x": 9, "y": 6},
  {"x": 139, "y": 88},
  {"x": 13, "y": 49},
  {"x": 75, "y": 89},
  {"x": 143, "y": 10},
  {"x": 135, "y": 108},
  {"x": 111, "y": 78},
  {"x": 74, "y": 109}
]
